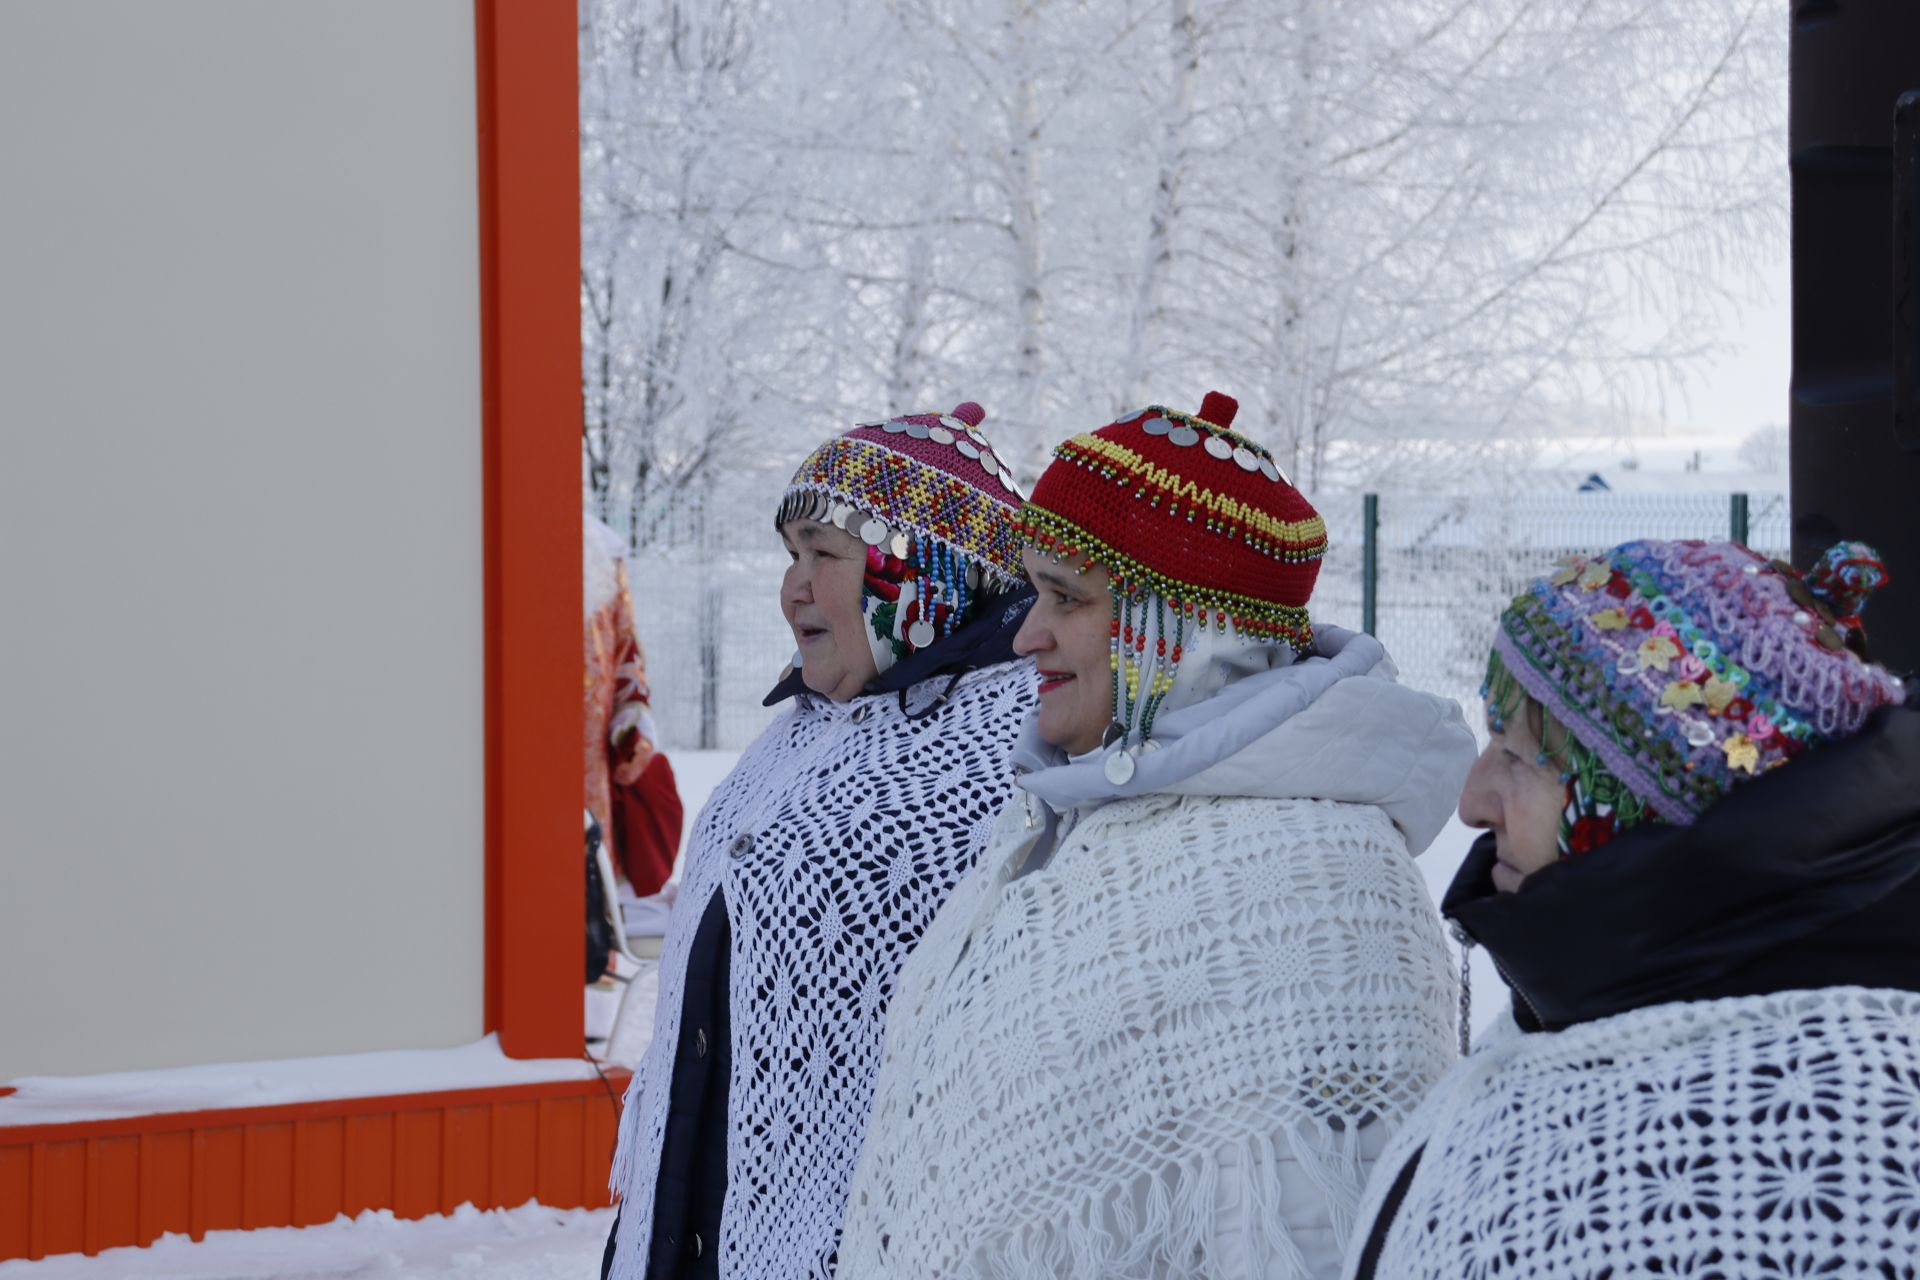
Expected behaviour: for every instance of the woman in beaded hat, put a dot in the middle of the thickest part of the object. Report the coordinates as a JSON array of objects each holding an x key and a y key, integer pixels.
[
  {"x": 1165, "y": 1026},
  {"x": 1700, "y": 877},
  {"x": 817, "y": 863}
]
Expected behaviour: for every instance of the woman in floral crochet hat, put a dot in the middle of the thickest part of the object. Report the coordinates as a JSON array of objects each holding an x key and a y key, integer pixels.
[
  {"x": 818, "y": 862},
  {"x": 1196, "y": 980},
  {"x": 1701, "y": 877}
]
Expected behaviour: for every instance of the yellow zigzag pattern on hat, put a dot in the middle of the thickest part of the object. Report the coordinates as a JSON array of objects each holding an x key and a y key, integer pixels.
[{"x": 1308, "y": 536}]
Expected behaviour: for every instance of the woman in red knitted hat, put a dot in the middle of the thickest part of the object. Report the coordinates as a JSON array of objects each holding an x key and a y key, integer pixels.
[{"x": 1195, "y": 982}]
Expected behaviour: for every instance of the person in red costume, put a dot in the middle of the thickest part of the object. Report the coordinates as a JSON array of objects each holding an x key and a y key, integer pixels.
[{"x": 630, "y": 788}]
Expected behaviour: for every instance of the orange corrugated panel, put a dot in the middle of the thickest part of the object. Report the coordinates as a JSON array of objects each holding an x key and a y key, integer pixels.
[
  {"x": 369, "y": 1154},
  {"x": 96, "y": 1184},
  {"x": 269, "y": 1175},
  {"x": 113, "y": 1192},
  {"x": 465, "y": 1177},
  {"x": 16, "y": 1201},
  {"x": 562, "y": 1128},
  {"x": 319, "y": 1170},
  {"x": 59, "y": 1198},
  {"x": 416, "y": 1163},
  {"x": 516, "y": 1152},
  {"x": 219, "y": 1179},
  {"x": 166, "y": 1185}
]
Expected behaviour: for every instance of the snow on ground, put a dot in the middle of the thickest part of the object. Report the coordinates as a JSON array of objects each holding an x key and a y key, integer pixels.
[{"x": 529, "y": 1243}]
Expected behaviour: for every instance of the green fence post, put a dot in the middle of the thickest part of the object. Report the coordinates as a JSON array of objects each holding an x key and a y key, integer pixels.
[
  {"x": 1739, "y": 518},
  {"x": 1369, "y": 560}
]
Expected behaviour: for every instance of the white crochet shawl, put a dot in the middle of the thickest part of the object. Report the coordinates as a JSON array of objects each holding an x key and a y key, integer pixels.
[
  {"x": 836, "y": 838},
  {"x": 1760, "y": 1136},
  {"x": 1072, "y": 1050}
]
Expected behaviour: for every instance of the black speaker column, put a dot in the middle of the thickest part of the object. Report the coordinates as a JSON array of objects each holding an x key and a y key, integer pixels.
[{"x": 1855, "y": 432}]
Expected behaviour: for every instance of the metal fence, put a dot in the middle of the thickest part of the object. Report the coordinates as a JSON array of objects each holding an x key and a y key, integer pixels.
[{"x": 1430, "y": 574}]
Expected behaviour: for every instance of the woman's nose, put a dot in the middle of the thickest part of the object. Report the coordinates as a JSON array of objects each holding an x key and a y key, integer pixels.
[
  {"x": 1032, "y": 637},
  {"x": 1479, "y": 805},
  {"x": 797, "y": 585}
]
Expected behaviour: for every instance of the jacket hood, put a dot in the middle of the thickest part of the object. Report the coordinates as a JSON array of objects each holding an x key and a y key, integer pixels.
[
  {"x": 1335, "y": 725},
  {"x": 984, "y": 642},
  {"x": 1808, "y": 876}
]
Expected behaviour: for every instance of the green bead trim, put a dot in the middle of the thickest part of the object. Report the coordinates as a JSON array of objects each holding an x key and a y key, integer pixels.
[{"x": 1264, "y": 618}]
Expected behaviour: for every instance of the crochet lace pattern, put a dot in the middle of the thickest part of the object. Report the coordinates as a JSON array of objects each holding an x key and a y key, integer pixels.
[
  {"x": 1072, "y": 1050},
  {"x": 836, "y": 839},
  {"x": 1743, "y": 1139}
]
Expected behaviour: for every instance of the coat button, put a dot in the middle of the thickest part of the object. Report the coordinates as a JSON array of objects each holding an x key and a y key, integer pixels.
[
  {"x": 741, "y": 844},
  {"x": 699, "y": 1042},
  {"x": 695, "y": 1244}
]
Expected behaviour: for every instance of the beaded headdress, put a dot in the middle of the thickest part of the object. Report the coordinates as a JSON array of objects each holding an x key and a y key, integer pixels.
[
  {"x": 935, "y": 507},
  {"x": 1680, "y": 670},
  {"x": 1198, "y": 530}
]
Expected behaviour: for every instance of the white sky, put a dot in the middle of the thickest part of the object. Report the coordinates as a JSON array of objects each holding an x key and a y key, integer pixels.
[{"x": 1747, "y": 387}]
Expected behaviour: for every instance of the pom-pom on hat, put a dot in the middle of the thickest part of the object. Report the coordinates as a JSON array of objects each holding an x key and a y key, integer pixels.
[
  {"x": 936, "y": 508},
  {"x": 1690, "y": 668},
  {"x": 1182, "y": 506}
]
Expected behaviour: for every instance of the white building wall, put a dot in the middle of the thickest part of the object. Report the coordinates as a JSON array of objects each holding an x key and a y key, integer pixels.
[{"x": 240, "y": 532}]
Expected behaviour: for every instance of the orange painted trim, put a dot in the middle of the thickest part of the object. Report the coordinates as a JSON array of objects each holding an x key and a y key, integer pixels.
[
  {"x": 101, "y": 1184},
  {"x": 529, "y": 140}
]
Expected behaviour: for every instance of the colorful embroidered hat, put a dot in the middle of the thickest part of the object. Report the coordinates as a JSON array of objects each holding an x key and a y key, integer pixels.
[
  {"x": 1196, "y": 526},
  {"x": 1688, "y": 668},
  {"x": 1179, "y": 505},
  {"x": 936, "y": 508}
]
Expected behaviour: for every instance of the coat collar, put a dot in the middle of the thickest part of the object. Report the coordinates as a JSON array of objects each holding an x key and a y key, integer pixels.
[{"x": 1333, "y": 725}]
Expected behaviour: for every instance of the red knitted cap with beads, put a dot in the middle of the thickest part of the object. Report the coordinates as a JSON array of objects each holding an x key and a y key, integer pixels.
[{"x": 1182, "y": 505}]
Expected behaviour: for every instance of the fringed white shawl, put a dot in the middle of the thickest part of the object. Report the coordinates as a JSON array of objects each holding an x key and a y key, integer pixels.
[{"x": 1074, "y": 1053}]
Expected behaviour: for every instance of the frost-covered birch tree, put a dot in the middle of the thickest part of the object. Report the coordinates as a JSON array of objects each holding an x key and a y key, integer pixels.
[{"x": 1408, "y": 234}]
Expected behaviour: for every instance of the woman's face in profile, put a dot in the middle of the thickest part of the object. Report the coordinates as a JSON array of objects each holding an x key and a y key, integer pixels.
[
  {"x": 1069, "y": 635},
  {"x": 820, "y": 599},
  {"x": 1513, "y": 794}
]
